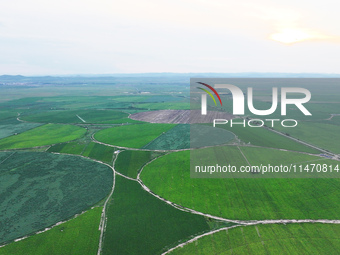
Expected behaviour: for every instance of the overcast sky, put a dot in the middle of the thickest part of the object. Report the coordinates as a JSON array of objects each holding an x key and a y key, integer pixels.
[{"x": 40, "y": 37}]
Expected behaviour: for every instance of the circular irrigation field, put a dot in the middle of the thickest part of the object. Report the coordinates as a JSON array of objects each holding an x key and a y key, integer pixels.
[
  {"x": 164, "y": 136},
  {"x": 247, "y": 198},
  {"x": 39, "y": 189}
]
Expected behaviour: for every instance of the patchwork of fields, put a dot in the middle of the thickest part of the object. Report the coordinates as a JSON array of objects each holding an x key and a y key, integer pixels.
[
  {"x": 76, "y": 116},
  {"x": 164, "y": 136},
  {"x": 139, "y": 223},
  {"x": 42, "y": 135},
  {"x": 126, "y": 187}
]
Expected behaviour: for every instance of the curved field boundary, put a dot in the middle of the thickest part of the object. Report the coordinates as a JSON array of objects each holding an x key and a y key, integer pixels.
[
  {"x": 238, "y": 223},
  {"x": 235, "y": 226},
  {"x": 204, "y": 147},
  {"x": 244, "y": 222},
  {"x": 63, "y": 221},
  {"x": 103, "y": 219}
]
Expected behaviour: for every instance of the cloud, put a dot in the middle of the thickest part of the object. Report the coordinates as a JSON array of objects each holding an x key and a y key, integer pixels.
[{"x": 296, "y": 35}]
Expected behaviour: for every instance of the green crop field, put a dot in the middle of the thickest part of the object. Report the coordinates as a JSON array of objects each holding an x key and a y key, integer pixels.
[
  {"x": 7, "y": 114},
  {"x": 243, "y": 199},
  {"x": 269, "y": 239},
  {"x": 132, "y": 136},
  {"x": 43, "y": 135},
  {"x": 130, "y": 162},
  {"x": 11, "y": 126},
  {"x": 40, "y": 189},
  {"x": 85, "y": 116},
  {"x": 176, "y": 138},
  {"x": 124, "y": 121},
  {"x": 139, "y": 223},
  {"x": 184, "y": 136},
  {"x": 323, "y": 135},
  {"x": 99, "y": 152},
  {"x": 164, "y": 136},
  {"x": 266, "y": 138},
  {"x": 78, "y": 236},
  {"x": 91, "y": 150},
  {"x": 164, "y": 106},
  {"x": 335, "y": 120},
  {"x": 260, "y": 156},
  {"x": 41, "y": 186},
  {"x": 68, "y": 148}
]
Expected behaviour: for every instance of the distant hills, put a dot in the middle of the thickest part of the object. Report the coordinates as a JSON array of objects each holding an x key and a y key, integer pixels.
[{"x": 147, "y": 77}]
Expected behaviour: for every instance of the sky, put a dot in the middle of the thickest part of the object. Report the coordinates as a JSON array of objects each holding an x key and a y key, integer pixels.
[{"x": 40, "y": 37}]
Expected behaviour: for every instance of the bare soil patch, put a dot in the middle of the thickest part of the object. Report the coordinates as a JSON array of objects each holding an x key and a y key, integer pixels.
[{"x": 180, "y": 116}]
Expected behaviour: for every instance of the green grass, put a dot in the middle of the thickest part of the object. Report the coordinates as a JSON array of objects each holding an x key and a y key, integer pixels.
[
  {"x": 43, "y": 135},
  {"x": 244, "y": 198},
  {"x": 68, "y": 148},
  {"x": 39, "y": 189},
  {"x": 132, "y": 136},
  {"x": 139, "y": 223},
  {"x": 99, "y": 152},
  {"x": 130, "y": 162},
  {"x": 322, "y": 135},
  {"x": 265, "y": 138},
  {"x": 296, "y": 239},
  {"x": 78, "y": 236},
  {"x": 62, "y": 116}
]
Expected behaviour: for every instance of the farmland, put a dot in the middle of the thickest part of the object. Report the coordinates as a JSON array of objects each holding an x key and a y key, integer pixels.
[
  {"x": 265, "y": 138},
  {"x": 240, "y": 198},
  {"x": 91, "y": 150},
  {"x": 77, "y": 236},
  {"x": 68, "y": 148},
  {"x": 132, "y": 136},
  {"x": 179, "y": 116},
  {"x": 130, "y": 162},
  {"x": 11, "y": 127},
  {"x": 139, "y": 223},
  {"x": 75, "y": 116},
  {"x": 40, "y": 189},
  {"x": 99, "y": 152},
  {"x": 176, "y": 138},
  {"x": 143, "y": 124},
  {"x": 43, "y": 135},
  {"x": 306, "y": 132},
  {"x": 269, "y": 239},
  {"x": 7, "y": 114},
  {"x": 164, "y": 136}
]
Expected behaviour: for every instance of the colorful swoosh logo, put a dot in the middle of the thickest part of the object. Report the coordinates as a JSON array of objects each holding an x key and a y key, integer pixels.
[{"x": 209, "y": 93}]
